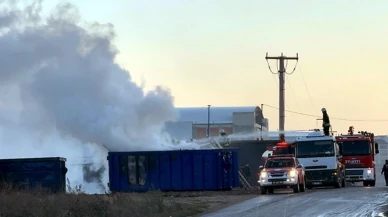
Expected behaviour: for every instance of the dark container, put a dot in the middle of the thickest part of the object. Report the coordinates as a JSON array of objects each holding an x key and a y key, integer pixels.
[
  {"x": 178, "y": 170},
  {"x": 250, "y": 152},
  {"x": 49, "y": 173}
]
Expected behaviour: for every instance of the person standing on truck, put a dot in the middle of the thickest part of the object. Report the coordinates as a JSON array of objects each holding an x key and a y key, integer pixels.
[
  {"x": 385, "y": 171},
  {"x": 326, "y": 122}
]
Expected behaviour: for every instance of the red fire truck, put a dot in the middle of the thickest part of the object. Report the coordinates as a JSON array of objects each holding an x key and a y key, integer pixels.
[{"x": 358, "y": 155}]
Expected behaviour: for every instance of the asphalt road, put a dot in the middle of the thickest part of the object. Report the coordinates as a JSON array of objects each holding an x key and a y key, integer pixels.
[{"x": 351, "y": 201}]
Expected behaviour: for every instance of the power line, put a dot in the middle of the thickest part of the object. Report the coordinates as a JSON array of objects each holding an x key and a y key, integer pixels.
[
  {"x": 289, "y": 84},
  {"x": 293, "y": 94},
  {"x": 305, "y": 85},
  {"x": 277, "y": 84},
  {"x": 340, "y": 119}
]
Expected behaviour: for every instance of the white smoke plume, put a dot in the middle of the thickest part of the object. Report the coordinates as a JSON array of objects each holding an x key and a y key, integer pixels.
[{"x": 62, "y": 94}]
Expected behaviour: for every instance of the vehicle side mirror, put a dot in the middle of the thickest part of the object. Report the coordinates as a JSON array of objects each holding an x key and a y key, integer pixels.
[
  {"x": 299, "y": 166},
  {"x": 269, "y": 155},
  {"x": 261, "y": 167},
  {"x": 377, "y": 148}
]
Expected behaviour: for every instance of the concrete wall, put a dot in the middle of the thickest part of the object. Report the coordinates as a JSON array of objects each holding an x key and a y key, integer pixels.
[
  {"x": 182, "y": 130},
  {"x": 244, "y": 122},
  {"x": 243, "y": 118},
  {"x": 200, "y": 130}
]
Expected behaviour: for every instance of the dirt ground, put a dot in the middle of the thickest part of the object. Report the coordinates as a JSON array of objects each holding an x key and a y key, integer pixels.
[
  {"x": 42, "y": 203},
  {"x": 210, "y": 201}
]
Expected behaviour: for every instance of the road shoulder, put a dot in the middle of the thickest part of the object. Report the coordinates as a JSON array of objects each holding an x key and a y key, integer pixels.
[{"x": 210, "y": 201}]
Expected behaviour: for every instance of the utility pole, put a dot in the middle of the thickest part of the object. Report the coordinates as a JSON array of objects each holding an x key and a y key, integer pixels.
[
  {"x": 281, "y": 73},
  {"x": 208, "y": 120}
]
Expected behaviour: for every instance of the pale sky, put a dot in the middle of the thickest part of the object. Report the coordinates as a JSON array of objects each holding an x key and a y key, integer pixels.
[{"x": 213, "y": 52}]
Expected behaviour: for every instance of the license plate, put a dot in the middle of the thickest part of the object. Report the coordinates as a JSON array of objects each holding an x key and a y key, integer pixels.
[
  {"x": 278, "y": 182},
  {"x": 317, "y": 183}
]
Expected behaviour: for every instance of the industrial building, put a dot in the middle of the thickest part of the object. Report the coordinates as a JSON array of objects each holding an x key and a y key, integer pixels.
[{"x": 193, "y": 122}]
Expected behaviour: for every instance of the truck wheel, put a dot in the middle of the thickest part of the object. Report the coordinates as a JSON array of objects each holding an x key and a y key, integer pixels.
[
  {"x": 372, "y": 183},
  {"x": 270, "y": 190},
  {"x": 296, "y": 188},
  {"x": 338, "y": 184},
  {"x": 302, "y": 186},
  {"x": 365, "y": 183},
  {"x": 263, "y": 190}
]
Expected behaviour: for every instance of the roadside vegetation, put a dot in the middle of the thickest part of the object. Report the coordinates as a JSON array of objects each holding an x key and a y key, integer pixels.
[{"x": 39, "y": 202}]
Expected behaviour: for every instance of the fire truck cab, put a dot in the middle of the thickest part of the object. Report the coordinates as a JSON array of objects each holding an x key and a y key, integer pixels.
[
  {"x": 320, "y": 156},
  {"x": 358, "y": 155}
]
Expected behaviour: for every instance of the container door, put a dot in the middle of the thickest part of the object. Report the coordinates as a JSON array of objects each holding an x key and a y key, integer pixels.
[
  {"x": 138, "y": 173},
  {"x": 226, "y": 170}
]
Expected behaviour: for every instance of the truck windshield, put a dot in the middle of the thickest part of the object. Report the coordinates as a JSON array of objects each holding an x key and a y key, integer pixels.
[
  {"x": 350, "y": 148},
  {"x": 315, "y": 148},
  {"x": 279, "y": 163}
]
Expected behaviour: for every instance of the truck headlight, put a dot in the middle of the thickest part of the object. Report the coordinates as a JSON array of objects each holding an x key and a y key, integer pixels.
[
  {"x": 292, "y": 173},
  {"x": 369, "y": 171},
  {"x": 263, "y": 174}
]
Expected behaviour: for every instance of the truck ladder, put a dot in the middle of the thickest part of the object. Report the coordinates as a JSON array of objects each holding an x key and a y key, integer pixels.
[{"x": 243, "y": 180}]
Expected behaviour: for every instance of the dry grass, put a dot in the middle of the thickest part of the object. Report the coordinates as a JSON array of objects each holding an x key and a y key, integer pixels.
[{"x": 39, "y": 202}]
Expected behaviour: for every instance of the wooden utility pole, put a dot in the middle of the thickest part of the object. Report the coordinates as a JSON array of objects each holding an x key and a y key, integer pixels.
[{"x": 281, "y": 72}]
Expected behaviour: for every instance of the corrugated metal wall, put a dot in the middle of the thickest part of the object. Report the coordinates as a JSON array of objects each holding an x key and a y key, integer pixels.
[
  {"x": 48, "y": 173},
  {"x": 183, "y": 170}
]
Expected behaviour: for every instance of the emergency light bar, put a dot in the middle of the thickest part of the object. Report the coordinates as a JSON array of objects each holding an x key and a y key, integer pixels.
[
  {"x": 315, "y": 134},
  {"x": 282, "y": 155},
  {"x": 354, "y": 136}
]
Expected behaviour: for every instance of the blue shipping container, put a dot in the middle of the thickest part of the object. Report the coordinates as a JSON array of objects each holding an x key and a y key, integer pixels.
[
  {"x": 178, "y": 170},
  {"x": 48, "y": 173}
]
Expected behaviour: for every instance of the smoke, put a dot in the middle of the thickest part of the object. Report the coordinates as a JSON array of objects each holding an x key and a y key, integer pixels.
[{"x": 62, "y": 94}]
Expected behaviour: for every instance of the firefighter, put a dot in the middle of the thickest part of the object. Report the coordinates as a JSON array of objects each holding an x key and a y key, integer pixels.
[
  {"x": 385, "y": 171},
  {"x": 247, "y": 170},
  {"x": 326, "y": 122},
  {"x": 291, "y": 148}
]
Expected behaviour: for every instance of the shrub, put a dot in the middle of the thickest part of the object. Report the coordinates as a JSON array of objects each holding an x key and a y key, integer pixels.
[{"x": 15, "y": 202}]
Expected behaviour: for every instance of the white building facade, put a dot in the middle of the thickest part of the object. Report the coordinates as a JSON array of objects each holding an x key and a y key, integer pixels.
[{"x": 193, "y": 121}]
